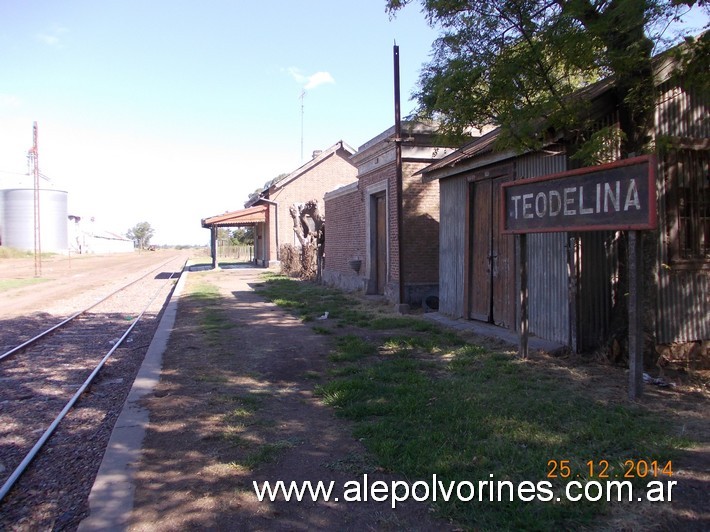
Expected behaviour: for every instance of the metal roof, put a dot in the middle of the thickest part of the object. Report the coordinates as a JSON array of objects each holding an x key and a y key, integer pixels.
[
  {"x": 477, "y": 147},
  {"x": 243, "y": 217}
]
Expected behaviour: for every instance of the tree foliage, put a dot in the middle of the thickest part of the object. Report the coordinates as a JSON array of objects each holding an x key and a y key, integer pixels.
[
  {"x": 516, "y": 63},
  {"x": 141, "y": 233},
  {"x": 242, "y": 236}
]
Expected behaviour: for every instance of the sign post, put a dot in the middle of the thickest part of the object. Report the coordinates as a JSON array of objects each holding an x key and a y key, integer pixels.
[
  {"x": 635, "y": 262},
  {"x": 524, "y": 298},
  {"x": 616, "y": 196}
]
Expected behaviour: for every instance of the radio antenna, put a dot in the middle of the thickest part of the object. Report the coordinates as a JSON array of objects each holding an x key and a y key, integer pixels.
[{"x": 302, "y": 97}]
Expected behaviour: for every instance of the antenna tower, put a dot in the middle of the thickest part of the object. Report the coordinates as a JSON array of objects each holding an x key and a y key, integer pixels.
[{"x": 302, "y": 97}]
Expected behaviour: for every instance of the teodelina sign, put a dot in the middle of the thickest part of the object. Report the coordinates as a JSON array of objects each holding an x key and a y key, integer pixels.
[{"x": 619, "y": 195}]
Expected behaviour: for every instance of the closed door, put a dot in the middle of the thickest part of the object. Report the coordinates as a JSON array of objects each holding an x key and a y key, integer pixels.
[
  {"x": 381, "y": 243},
  {"x": 492, "y": 292}
]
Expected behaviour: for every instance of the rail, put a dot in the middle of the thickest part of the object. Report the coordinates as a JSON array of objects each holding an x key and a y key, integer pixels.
[{"x": 20, "y": 469}]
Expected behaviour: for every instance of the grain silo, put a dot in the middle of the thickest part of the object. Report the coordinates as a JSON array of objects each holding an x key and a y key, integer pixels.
[{"x": 17, "y": 219}]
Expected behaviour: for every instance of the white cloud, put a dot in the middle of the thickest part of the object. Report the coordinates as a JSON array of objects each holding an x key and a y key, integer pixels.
[
  {"x": 52, "y": 37},
  {"x": 319, "y": 78},
  {"x": 9, "y": 101},
  {"x": 312, "y": 81}
]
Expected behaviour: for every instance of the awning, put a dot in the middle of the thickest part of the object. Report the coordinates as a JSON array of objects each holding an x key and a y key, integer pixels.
[{"x": 244, "y": 217}]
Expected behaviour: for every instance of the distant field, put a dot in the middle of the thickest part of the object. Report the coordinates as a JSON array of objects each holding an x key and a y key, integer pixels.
[{"x": 9, "y": 284}]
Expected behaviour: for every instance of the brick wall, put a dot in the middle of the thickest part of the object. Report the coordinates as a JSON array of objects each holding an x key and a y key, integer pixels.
[
  {"x": 421, "y": 226},
  {"x": 333, "y": 171},
  {"x": 384, "y": 174},
  {"x": 347, "y": 233},
  {"x": 345, "y": 238}
]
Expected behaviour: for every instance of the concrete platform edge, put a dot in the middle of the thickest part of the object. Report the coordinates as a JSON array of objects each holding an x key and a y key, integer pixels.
[
  {"x": 111, "y": 497},
  {"x": 493, "y": 331}
]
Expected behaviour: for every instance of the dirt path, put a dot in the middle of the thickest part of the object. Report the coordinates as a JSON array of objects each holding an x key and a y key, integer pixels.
[{"x": 234, "y": 406}]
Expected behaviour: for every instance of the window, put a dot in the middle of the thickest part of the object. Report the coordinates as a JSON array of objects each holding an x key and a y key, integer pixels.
[{"x": 688, "y": 185}]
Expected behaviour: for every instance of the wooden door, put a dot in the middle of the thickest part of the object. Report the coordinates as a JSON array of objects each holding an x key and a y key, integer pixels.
[
  {"x": 481, "y": 244},
  {"x": 503, "y": 264},
  {"x": 381, "y": 243},
  {"x": 492, "y": 257}
]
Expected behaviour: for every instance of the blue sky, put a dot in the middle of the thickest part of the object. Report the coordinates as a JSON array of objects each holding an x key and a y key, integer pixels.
[{"x": 169, "y": 112}]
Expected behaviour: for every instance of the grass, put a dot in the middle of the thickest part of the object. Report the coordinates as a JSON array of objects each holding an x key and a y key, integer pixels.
[
  {"x": 425, "y": 402},
  {"x": 13, "y": 253},
  {"x": 10, "y": 284},
  {"x": 306, "y": 300},
  {"x": 269, "y": 452},
  {"x": 213, "y": 320}
]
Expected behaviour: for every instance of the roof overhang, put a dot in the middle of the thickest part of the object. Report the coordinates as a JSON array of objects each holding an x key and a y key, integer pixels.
[{"x": 243, "y": 218}]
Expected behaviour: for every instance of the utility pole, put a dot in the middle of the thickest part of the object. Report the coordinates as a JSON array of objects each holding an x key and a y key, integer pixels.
[
  {"x": 401, "y": 306},
  {"x": 33, "y": 156}
]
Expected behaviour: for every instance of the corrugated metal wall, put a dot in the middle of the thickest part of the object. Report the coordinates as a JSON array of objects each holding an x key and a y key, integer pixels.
[
  {"x": 682, "y": 113},
  {"x": 548, "y": 286},
  {"x": 597, "y": 265},
  {"x": 684, "y": 310},
  {"x": 548, "y": 281},
  {"x": 452, "y": 246},
  {"x": 683, "y": 313}
]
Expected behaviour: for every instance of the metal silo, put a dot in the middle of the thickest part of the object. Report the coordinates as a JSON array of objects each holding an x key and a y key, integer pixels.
[{"x": 17, "y": 225}]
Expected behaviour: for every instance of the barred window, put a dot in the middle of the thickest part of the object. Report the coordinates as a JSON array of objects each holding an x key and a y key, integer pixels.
[{"x": 688, "y": 205}]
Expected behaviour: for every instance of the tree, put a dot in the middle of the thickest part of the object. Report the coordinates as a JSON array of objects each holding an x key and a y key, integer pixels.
[
  {"x": 141, "y": 233},
  {"x": 243, "y": 236},
  {"x": 520, "y": 65},
  {"x": 515, "y": 64},
  {"x": 309, "y": 228}
]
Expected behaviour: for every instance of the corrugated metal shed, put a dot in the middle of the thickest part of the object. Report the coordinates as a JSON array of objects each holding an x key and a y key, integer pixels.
[
  {"x": 547, "y": 260},
  {"x": 453, "y": 208},
  {"x": 574, "y": 278}
]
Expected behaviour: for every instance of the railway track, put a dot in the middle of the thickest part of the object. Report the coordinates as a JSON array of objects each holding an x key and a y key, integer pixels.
[{"x": 60, "y": 393}]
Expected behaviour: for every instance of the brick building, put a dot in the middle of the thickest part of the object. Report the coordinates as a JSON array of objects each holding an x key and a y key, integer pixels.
[
  {"x": 362, "y": 242},
  {"x": 268, "y": 210}
]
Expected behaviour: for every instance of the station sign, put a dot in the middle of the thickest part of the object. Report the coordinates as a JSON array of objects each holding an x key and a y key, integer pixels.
[{"x": 616, "y": 196}]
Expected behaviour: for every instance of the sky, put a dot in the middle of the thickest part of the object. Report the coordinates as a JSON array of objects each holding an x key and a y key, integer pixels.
[{"x": 168, "y": 112}]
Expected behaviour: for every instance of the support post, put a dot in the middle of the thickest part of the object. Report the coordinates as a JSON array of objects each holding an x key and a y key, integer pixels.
[
  {"x": 524, "y": 296},
  {"x": 213, "y": 245},
  {"x": 635, "y": 262},
  {"x": 572, "y": 275}
]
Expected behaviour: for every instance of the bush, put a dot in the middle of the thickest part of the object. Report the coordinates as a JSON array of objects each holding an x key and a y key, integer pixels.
[{"x": 299, "y": 262}]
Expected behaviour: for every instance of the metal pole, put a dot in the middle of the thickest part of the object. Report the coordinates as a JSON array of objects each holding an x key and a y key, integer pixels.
[
  {"x": 524, "y": 295},
  {"x": 37, "y": 231},
  {"x": 635, "y": 266},
  {"x": 398, "y": 169}
]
